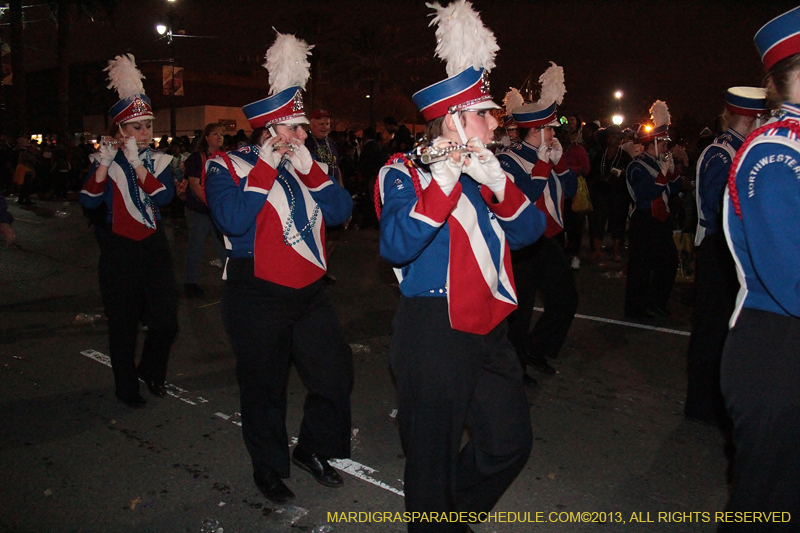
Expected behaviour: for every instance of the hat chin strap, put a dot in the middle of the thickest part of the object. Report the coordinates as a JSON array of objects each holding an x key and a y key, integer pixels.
[{"x": 457, "y": 120}]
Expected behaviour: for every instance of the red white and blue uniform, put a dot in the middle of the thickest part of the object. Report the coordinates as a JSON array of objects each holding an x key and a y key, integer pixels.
[
  {"x": 269, "y": 208},
  {"x": 542, "y": 266},
  {"x": 649, "y": 187},
  {"x": 546, "y": 184},
  {"x": 715, "y": 281},
  {"x": 132, "y": 204},
  {"x": 761, "y": 360},
  {"x": 137, "y": 282},
  {"x": 274, "y": 305},
  {"x": 423, "y": 237}
]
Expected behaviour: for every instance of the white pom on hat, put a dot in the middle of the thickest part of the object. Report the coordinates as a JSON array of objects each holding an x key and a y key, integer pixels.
[
  {"x": 124, "y": 77},
  {"x": 463, "y": 40},
  {"x": 287, "y": 63}
]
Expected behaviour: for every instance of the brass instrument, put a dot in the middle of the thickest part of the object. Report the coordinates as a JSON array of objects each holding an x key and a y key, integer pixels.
[
  {"x": 427, "y": 154},
  {"x": 664, "y": 157}
]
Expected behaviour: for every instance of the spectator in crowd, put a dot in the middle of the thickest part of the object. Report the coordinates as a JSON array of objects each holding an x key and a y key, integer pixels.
[
  {"x": 6, "y": 220},
  {"x": 578, "y": 161},
  {"x": 198, "y": 219},
  {"x": 321, "y": 146},
  {"x": 609, "y": 192}
]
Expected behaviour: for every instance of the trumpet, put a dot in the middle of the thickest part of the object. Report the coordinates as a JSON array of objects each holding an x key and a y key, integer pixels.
[
  {"x": 427, "y": 154},
  {"x": 281, "y": 146},
  {"x": 664, "y": 157}
]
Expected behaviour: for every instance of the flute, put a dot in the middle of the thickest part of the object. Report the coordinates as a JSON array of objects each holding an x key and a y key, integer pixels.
[{"x": 428, "y": 153}]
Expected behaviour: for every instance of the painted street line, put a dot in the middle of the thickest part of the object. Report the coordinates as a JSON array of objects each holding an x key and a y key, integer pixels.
[
  {"x": 348, "y": 466},
  {"x": 631, "y": 324}
]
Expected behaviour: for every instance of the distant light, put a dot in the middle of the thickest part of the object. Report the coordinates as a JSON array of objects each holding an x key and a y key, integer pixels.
[
  {"x": 367, "y": 96},
  {"x": 617, "y": 119},
  {"x": 618, "y": 95},
  {"x": 170, "y": 0},
  {"x": 161, "y": 29},
  {"x": 648, "y": 128}
]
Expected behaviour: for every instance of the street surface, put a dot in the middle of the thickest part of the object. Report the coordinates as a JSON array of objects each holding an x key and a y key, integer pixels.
[{"x": 610, "y": 437}]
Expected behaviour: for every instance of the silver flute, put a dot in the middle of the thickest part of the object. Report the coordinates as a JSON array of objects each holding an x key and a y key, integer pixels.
[
  {"x": 112, "y": 142},
  {"x": 427, "y": 153}
]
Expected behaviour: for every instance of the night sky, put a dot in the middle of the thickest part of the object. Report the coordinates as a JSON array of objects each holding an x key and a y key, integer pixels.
[{"x": 684, "y": 52}]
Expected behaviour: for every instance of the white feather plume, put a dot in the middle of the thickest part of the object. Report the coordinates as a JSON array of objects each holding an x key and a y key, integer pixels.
[
  {"x": 659, "y": 112},
  {"x": 513, "y": 100},
  {"x": 124, "y": 77},
  {"x": 287, "y": 63},
  {"x": 553, "y": 88},
  {"x": 462, "y": 39}
]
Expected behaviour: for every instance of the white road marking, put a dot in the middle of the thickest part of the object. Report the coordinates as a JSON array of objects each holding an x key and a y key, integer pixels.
[
  {"x": 631, "y": 324},
  {"x": 347, "y": 466}
]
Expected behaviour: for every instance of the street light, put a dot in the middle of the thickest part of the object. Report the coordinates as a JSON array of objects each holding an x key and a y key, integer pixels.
[
  {"x": 618, "y": 95},
  {"x": 617, "y": 119},
  {"x": 161, "y": 29}
]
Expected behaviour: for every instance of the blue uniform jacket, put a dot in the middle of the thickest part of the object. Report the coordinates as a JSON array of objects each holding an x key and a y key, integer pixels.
[
  {"x": 546, "y": 185},
  {"x": 647, "y": 184},
  {"x": 713, "y": 166},
  {"x": 765, "y": 242},
  {"x": 415, "y": 232}
]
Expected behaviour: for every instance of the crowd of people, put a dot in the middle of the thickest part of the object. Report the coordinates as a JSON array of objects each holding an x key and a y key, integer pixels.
[{"x": 512, "y": 221}]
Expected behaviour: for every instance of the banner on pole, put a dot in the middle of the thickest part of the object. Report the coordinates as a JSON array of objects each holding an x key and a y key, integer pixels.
[{"x": 172, "y": 78}]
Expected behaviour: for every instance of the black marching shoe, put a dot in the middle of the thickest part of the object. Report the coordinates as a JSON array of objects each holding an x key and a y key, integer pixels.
[
  {"x": 156, "y": 389},
  {"x": 318, "y": 467},
  {"x": 539, "y": 362},
  {"x": 272, "y": 487},
  {"x": 528, "y": 380},
  {"x": 134, "y": 402}
]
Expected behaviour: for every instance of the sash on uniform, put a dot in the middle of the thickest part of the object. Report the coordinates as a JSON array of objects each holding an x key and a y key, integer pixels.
[{"x": 480, "y": 283}]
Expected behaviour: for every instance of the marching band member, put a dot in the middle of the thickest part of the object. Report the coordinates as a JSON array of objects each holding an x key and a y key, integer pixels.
[
  {"x": 760, "y": 362},
  {"x": 272, "y": 202},
  {"x": 715, "y": 273},
  {"x": 129, "y": 182},
  {"x": 652, "y": 257},
  {"x": 447, "y": 228},
  {"x": 539, "y": 170}
]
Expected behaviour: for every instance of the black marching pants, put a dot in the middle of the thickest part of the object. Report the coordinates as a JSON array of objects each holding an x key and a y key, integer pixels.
[
  {"x": 446, "y": 380},
  {"x": 272, "y": 326},
  {"x": 761, "y": 385},
  {"x": 652, "y": 263},
  {"x": 542, "y": 266},
  {"x": 138, "y": 285},
  {"x": 717, "y": 285}
]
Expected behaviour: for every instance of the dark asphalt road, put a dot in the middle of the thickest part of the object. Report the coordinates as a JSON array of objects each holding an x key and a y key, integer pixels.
[{"x": 609, "y": 432}]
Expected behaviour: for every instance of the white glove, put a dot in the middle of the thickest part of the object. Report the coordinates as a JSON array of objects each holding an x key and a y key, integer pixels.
[
  {"x": 484, "y": 168},
  {"x": 446, "y": 174},
  {"x": 132, "y": 153},
  {"x": 300, "y": 157},
  {"x": 556, "y": 152},
  {"x": 667, "y": 166},
  {"x": 107, "y": 154},
  {"x": 268, "y": 154}
]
